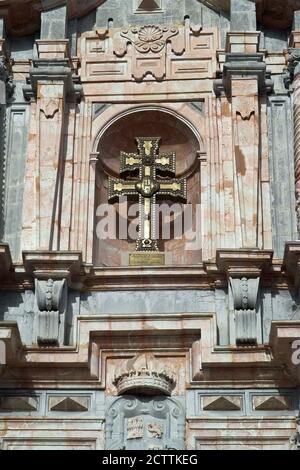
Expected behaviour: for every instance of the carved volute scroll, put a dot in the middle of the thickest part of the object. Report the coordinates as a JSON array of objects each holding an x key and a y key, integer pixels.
[{"x": 50, "y": 303}]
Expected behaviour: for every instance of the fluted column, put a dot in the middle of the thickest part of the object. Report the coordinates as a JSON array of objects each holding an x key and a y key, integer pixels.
[
  {"x": 296, "y": 107},
  {"x": 294, "y": 81},
  {"x": 6, "y": 89}
]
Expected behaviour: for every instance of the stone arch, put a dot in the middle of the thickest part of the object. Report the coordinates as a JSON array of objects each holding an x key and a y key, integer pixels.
[{"x": 178, "y": 134}]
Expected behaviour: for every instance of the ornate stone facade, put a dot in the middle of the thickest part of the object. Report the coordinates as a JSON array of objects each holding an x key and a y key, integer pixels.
[{"x": 193, "y": 344}]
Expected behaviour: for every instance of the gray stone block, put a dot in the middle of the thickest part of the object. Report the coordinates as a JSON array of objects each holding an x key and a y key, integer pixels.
[
  {"x": 282, "y": 172},
  {"x": 243, "y": 15},
  {"x": 296, "y": 22},
  {"x": 17, "y": 132},
  {"x": 54, "y": 23},
  {"x": 2, "y": 28}
]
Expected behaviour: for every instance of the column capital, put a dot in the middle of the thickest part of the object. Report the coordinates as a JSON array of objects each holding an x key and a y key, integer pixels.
[
  {"x": 58, "y": 265},
  {"x": 248, "y": 263},
  {"x": 49, "y": 70},
  {"x": 241, "y": 65}
]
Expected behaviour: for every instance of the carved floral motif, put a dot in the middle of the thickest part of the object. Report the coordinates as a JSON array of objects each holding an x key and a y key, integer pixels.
[{"x": 149, "y": 38}]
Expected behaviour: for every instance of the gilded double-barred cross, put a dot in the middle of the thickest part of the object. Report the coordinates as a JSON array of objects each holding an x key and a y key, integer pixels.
[{"x": 156, "y": 177}]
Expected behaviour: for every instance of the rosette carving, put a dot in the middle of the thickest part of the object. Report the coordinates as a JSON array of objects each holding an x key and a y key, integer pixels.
[{"x": 149, "y": 38}]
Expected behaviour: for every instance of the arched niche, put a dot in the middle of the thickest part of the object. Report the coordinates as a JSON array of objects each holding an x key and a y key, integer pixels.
[{"x": 177, "y": 135}]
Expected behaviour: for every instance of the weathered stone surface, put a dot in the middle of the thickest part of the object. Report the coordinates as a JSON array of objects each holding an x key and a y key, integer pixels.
[
  {"x": 242, "y": 15},
  {"x": 18, "y": 403},
  {"x": 54, "y": 23},
  {"x": 222, "y": 403},
  {"x": 207, "y": 345},
  {"x": 275, "y": 403},
  {"x": 69, "y": 404}
]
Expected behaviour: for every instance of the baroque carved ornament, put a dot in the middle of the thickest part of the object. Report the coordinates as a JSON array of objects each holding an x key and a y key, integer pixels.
[
  {"x": 146, "y": 375},
  {"x": 148, "y": 38}
]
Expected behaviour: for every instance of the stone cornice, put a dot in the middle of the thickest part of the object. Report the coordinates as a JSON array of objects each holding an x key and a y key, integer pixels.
[
  {"x": 52, "y": 70},
  {"x": 243, "y": 65},
  {"x": 54, "y": 265},
  {"x": 208, "y": 275},
  {"x": 244, "y": 262},
  {"x": 185, "y": 334}
]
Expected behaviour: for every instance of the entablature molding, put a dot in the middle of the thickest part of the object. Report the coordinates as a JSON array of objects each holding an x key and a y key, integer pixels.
[
  {"x": 178, "y": 338},
  {"x": 87, "y": 277}
]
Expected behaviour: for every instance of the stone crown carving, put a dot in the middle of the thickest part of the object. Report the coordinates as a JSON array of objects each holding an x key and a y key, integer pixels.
[{"x": 146, "y": 375}]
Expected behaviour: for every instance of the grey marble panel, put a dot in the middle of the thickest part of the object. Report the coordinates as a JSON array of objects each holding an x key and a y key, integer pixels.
[
  {"x": 54, "y": 23},
  {"x": 252, "y": 402},
  {"x": 243, "y": 15},
  {"x": 17, "y": 138},
  {"x": 281, "y": 172}
]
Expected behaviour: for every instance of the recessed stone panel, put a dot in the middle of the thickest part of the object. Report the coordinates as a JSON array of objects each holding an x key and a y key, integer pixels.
[
  {"x": 271, "y": 403},
  {"x": 222, "y": 403},
  {"x": 69, "y": 404},
  {"x": 18, "y": 403}
]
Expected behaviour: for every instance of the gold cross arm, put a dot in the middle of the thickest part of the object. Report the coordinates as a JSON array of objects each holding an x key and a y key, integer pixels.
[
  {"x": 174, "y": 188},
  {"x": 118, "y": 187},
  {"x": 166, "y": 163},
  {"x": 129, "y": 162}
]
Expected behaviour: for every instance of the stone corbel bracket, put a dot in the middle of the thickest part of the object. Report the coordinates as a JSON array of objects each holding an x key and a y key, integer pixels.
[
  {"x": 240, "y": 64},
  {"x": 52, "y": 273},
  {"x": 53, "y": 70},
  {"x": 51, "y": 299},
  {"x": 243, "y": 269},
  {"x": 291, "y": 263}
]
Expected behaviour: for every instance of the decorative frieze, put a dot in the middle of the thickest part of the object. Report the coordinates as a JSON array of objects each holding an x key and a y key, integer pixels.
[{"x": 148, "y": 51}]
